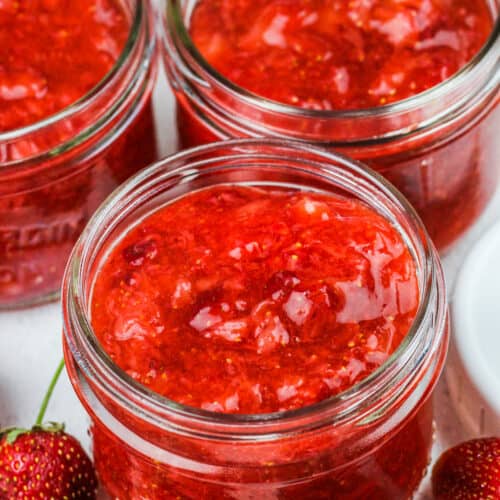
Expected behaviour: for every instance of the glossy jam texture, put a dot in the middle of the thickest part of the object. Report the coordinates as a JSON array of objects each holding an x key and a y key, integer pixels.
[
  {"x": 52, "y": 52},
  {"x": 328, "y": 55},
  {"x": 248, "y": 300}
]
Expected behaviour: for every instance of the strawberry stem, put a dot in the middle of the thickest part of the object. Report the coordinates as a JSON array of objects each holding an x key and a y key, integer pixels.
[{"x": 48, "y": 394}]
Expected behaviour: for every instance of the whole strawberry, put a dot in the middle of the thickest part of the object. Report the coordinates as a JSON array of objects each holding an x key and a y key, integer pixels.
[
  {"x": 44, "y": 462},
  {"x": 470, "y": 470}
]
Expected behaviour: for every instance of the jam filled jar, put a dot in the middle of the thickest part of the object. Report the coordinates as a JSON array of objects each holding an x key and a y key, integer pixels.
[
  {"x": 409, "y": 88},
  {"x": 75, "y": 122},
  {"x": 256, "y": 319}
]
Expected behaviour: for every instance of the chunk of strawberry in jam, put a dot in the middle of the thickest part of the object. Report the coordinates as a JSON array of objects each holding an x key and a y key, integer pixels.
[{"x": 136, "y": 254}]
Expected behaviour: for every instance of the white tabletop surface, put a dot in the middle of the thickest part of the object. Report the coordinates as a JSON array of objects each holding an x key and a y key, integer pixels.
[{"x": 30, "y": 340}]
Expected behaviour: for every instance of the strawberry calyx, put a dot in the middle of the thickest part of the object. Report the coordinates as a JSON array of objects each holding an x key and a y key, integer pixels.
[{"x": 12, "y": 433}]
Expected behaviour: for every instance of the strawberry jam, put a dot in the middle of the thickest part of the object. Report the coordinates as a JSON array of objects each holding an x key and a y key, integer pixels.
[
  {"x": 243, "y": 300},
  {"x": 409, "y": 87},
  {"x": 250, "y": 300},
  {"x": 59, "y": 160},
  {"x": 52, "y": 52},
  {"x": 256, "y": 319},
  {"x": 333, "y": 55}
]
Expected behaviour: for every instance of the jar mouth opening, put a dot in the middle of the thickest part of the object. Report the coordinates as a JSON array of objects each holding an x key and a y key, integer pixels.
[
  {"x": 175, "y": 23},
  {"x": 338, "y": 407},
  {"x": 93, "y": 95}
]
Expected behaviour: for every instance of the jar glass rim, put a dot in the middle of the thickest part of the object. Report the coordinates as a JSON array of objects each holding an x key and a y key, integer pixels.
[
  {"x": 94, "y": 93},
  {"x": 74, "y": 302},
  {"x": 174, "y": 22}
]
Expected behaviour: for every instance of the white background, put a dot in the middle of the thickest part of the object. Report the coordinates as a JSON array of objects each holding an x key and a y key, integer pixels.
[{"x": 30, "y": 340}]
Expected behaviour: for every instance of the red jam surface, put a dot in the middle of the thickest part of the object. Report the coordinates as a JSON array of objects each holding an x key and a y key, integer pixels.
[
  {"x": 327, "y": 55},
  {"x": 248, "y": 300},
  {"x": 52, "y": 52}
]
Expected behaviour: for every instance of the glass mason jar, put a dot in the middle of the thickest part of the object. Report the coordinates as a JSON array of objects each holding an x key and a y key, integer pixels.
[
  {"x": 56, "y": 172},
  {"x": 371, "y": 441},
  {"x": 440, "y": 148}
]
